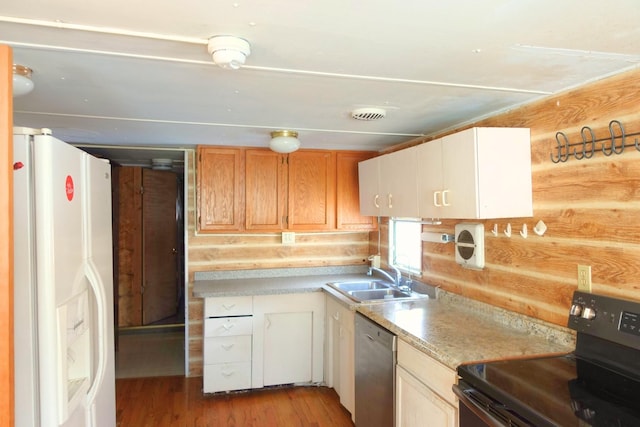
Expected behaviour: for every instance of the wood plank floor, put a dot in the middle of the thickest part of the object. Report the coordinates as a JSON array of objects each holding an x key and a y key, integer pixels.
[{"x": 178, "y": 401}]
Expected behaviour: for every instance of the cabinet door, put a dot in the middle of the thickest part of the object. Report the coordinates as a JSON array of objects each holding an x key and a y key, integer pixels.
[
  {"x": 399, "y": 184},
  {"x": 460, "y": 174},
  {"x": 266, "y": 184},
  {"x": 430, "y": 179},
  {"x": 332, "y": 345},
  {"x": 368, "y": 186},
  {"x": 348, "y": 215},
  {"x": 287, "y": 348},
  {"x": 312, "y": 190},
  {"x": 346, "y": 357},
  {"x": 220, "y": 189},
  {"x": 415, "y": 403}
]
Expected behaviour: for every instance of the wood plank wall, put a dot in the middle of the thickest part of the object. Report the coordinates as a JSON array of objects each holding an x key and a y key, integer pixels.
[
  {"x": 214, "y": 252},
  {"x": 591, "y": 208}
]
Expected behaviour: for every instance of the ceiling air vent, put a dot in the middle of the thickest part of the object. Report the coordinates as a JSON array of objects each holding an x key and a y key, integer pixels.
[{"x": 368, "y": 114}]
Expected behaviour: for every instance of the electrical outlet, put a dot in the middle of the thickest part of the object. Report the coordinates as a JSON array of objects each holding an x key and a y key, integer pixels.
[
  {"x": 584, "y": 278},
  {"x": 288, "y": 237}
]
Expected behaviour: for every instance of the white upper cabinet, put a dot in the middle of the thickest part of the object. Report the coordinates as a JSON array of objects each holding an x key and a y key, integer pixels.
[
  {"x": 478, "y": 173},
  {"x": 388, "y": 185},
  {"x": 368, "y": 179}
]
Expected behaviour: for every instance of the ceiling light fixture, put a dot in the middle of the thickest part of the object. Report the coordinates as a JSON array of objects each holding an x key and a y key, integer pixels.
[
  {"x": 284, "y": 141},
  {"x": 229, "y": 51},
  {"x": 22, "y": 83}
]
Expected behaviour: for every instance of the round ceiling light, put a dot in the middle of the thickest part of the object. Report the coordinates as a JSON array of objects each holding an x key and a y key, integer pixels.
[
  {"x": 284, "y": 141},
  {"x": 228, "y": 51},
  {"x": 22, "y": 83}
]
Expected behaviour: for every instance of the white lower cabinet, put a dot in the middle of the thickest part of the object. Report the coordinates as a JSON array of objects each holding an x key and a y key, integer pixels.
[
  {"x": 227, "y": 347},
  {"x": 339, "y": 352},
  {"x": 424, "y": 395},
  {"x": 288, "y": 339}
]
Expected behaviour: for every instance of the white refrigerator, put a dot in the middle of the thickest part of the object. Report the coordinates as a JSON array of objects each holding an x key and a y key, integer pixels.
[{"x": 64, "y": 342}]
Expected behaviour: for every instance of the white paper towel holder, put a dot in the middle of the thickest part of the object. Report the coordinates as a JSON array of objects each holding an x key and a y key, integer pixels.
[{"x": 470, "y": 245}]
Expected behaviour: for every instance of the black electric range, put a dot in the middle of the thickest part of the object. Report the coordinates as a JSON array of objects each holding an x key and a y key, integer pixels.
[{"x": 596, "y": 385}]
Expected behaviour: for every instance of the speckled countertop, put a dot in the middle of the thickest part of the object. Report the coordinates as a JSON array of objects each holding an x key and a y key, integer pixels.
[{"x": 450, "y": 328}]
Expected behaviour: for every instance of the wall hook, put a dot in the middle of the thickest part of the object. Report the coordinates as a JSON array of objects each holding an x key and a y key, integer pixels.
[
  {"x": 495, "y": 230},
  {"x": 507, "y": 231},
  {"x": 540, "y": 228},
  {"x": 523, "y": 232}
]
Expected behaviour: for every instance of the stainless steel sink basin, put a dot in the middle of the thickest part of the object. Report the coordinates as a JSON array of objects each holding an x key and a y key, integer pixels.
[
  {"x": 376, "y": 294},
  {"x": 363, "y": 285},
  {"x": 373, "y": 290}
]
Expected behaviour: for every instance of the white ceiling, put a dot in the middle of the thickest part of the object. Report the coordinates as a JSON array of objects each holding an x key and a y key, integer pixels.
[{"x": 137, "y": 73}]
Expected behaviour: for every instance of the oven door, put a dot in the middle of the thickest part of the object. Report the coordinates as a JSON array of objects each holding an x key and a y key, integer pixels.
[{"x": 476, "y": 409}]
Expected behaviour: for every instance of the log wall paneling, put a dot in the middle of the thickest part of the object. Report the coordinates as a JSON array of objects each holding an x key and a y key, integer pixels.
[{"x": 591, "y": 208}]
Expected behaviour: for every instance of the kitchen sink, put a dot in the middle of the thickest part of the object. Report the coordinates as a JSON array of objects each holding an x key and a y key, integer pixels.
[
  {"x": 374, "y": 294},
  {"x": 363, "y": 285},
  {"x": 373, "y": 290}
]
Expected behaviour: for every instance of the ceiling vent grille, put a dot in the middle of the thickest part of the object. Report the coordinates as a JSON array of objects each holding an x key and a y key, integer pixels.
[{"x": 368, "y": 114}]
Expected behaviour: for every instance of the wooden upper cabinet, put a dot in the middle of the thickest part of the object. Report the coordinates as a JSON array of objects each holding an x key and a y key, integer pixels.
[
  {"x": 348, "y": 215},
  {"x": 266, "y": 190},
  {"x": 312, "y": 190},
  {"x": 220, "y": 188}
]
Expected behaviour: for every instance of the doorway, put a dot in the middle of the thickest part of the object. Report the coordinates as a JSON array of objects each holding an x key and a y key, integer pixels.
[{"x": 147, "y": 234}]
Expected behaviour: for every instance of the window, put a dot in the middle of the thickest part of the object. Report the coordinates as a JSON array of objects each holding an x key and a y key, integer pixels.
[{"x": 405, "y": 245}]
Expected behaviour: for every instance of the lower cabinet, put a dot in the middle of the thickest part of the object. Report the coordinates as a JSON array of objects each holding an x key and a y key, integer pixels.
[
  {"x": 288, "y": 339},
  {"x": 339, "y": 352},
  {"x": 228, "y": 330},
  {"x": 424, "y": 390}
]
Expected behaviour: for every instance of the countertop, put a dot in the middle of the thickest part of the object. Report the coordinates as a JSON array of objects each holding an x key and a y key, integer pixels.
[{"x": 451, "y": 329}]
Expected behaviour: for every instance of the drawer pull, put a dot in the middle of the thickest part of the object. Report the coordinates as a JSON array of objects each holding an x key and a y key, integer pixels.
[
  {"x": 228, "y": 306},
  {"x": 228, "y": 326},
  {"x": 227, "y": 346},
  {"x": 227, "y": 373},
  {"x": 336, "y": 316}
]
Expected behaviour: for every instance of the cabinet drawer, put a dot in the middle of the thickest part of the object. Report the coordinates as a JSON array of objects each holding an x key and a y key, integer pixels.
[
  {"x": 228, "y": 326},
  {"x": 431, "y": 372},
  {"x": 228, "y": 306},
  {"x": 226, "y": 376},
  {"x": 227, "y": 349}
]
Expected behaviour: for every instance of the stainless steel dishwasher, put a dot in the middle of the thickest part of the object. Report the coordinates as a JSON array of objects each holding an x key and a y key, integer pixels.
[{"x": 375, "y": 366}]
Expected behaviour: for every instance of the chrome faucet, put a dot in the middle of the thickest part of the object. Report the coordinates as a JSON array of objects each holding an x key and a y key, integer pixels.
[{"x": 397, "y": 280}]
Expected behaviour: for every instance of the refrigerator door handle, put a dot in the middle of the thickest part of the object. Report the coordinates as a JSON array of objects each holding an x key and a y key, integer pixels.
[{"x": 97, "y": 286}]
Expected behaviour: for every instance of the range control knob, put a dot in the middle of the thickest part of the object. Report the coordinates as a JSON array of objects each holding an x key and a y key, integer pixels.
[
  {"x": 576, "y": 310},
  {"x": 588, "y": 313}
]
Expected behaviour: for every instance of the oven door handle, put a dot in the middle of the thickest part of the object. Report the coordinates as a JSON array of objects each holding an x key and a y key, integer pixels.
[{"x": 484, "y": 416}]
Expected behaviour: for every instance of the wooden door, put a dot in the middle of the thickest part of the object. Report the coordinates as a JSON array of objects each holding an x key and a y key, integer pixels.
[
  {"x": 348, "y": 215},
  {"x": 312, "y": 190},
  {"x": 160, "y": 252},
  {"x": 266, "y": 190},
  {"x": 220, "y": 189}
]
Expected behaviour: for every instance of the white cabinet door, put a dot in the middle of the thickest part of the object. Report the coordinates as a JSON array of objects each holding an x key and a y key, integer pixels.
[
  {"x": 416, "y": 403},
  {"x": 398, "y": 183},
  {"x": 368, "y": 181},
  {"x": 339, "y": 347},
  {"x": 460, "y": 175},
  {"x": 288, "y": 338},
  {"x": 287, "y": 348},
  {"x": 430, "y": 184}
]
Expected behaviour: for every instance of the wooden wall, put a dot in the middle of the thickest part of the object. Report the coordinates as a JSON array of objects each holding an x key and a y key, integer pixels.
[
  {"x": 6, "y": 231},
  {"x": 214, "y": 252},
  {"x": 591, "y": 208}
]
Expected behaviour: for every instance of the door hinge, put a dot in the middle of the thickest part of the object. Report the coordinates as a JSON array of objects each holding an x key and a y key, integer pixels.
[{"x": 141, "y": 190}]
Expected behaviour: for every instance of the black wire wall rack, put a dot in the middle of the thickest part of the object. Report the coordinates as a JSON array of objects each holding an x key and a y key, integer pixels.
[{"x": 589, "y": 146}]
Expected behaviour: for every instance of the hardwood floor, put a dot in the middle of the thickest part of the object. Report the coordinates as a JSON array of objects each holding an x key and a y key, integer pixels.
[{"x": 178, "y": 401}]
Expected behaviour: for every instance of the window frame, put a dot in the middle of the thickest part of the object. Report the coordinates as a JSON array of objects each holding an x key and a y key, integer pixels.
[{"x": 406, "y": 267}]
